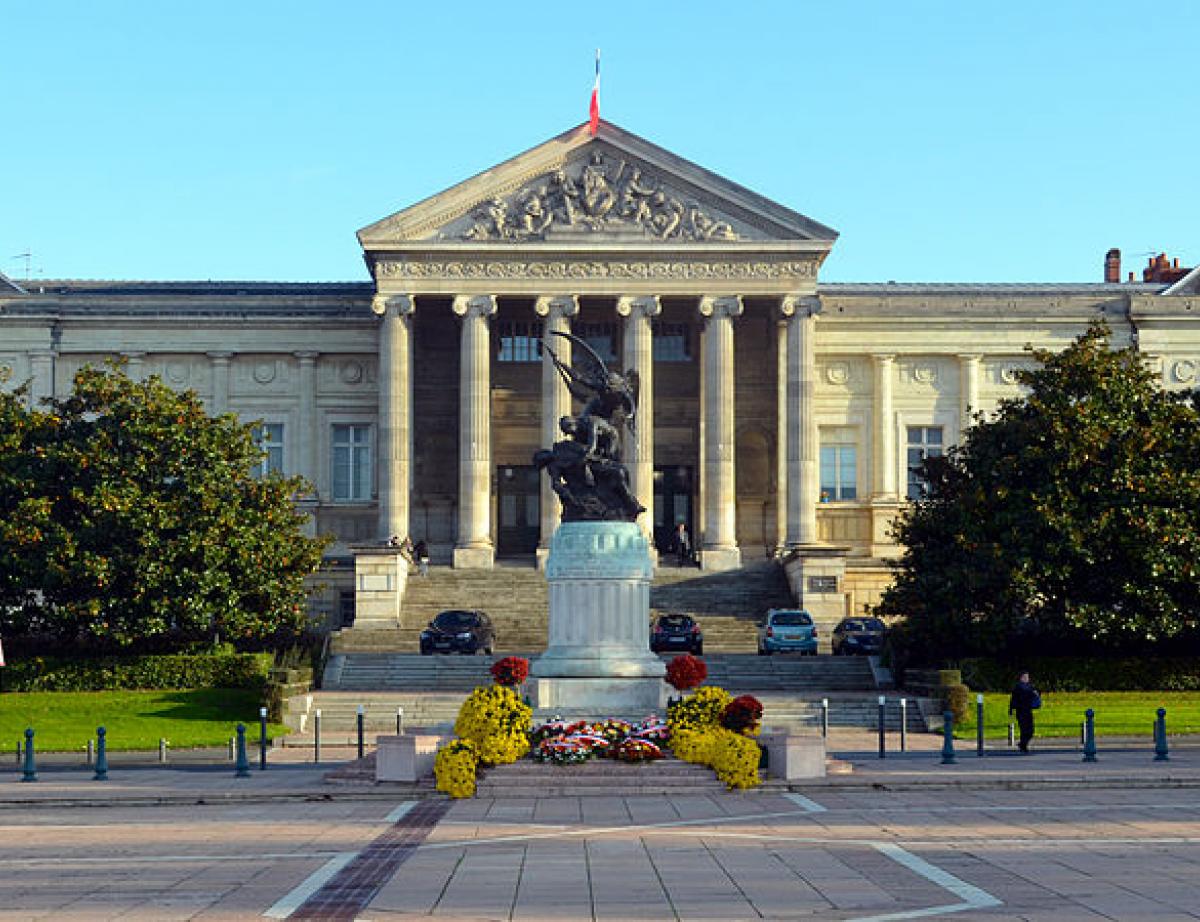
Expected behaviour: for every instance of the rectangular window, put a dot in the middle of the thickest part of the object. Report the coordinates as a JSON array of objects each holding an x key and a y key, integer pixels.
[
  {"x": 923, "y": 442},
  {"x": 671, "y": 342},
  {"x": 351, "y": 463},
  {"x": 269, "y": 438},
  {"x": 602, "y": 337},
  {"x": 519, "y": 342},
  {"x": 839, "y": 472}
]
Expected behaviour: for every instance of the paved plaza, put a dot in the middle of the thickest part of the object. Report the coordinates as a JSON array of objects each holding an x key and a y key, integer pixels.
[{"x": 999, "y": 838}]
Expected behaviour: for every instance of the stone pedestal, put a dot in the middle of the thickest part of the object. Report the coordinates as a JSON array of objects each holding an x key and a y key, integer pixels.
[
  {"x": 408, "y": 757},
  {"x": 792, "y": 756},
  {"x": 816, "y": 574},
  {"x": 380, "y": 575},
  {"x": 598, "y": 661}
]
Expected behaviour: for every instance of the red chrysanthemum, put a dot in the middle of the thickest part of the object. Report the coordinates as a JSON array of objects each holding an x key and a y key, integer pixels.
[
  {"x": 686, "y": 671},
  {"x": 742, "y": 713},
  {"x": 512, "y": 670}
]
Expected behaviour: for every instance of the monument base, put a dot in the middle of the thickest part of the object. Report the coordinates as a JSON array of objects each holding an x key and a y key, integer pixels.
[{"x": 597, "y": 698}]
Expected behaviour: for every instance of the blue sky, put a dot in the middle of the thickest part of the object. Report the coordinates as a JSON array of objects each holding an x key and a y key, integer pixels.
[{"x": 955, "y": 141}]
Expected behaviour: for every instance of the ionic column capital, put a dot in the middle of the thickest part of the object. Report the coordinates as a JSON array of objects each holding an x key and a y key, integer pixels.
[
  {"x": 725, "y": 306},
  {"x": 646, "y": 305},
  {"x": 220, "y": 358},
  {"x": 307, "y": 356},
  {"x": 556, "y": 306},
  {"x": 402, "y": 304},
  {"x": 799, "y": 305},
  {"x": 883, "y": 358},
  {"x": 970, "y": 358},
  {"x": 475, "y": 305}
]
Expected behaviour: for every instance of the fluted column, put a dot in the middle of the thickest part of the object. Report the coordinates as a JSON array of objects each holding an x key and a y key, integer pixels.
[
  {"x": 41, "y": 366},
  {"x": 884, "y": 430},
  {"x": 475, "y": 547},
  {"x": 307, "y": 464},
  {"x": 720, "y": 550},
  {"x": 556, "y": 399},
  {"x": 638, "y": 451},
  {"x": 135, "y": 365},
  {"x": 395, "y": 411},
  {"x": 781, "y": 417},
  {"x": 220, "y": 366},
  {"x": 802, "y": 448},
  {"x": 968, "y": 390}
]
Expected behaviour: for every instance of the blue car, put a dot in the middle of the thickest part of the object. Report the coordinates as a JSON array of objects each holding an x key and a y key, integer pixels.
[{"x": 787, "y": 630}]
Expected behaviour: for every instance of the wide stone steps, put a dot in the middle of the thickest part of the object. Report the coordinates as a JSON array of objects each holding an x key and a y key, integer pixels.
[{"x": 527, "y": 778}]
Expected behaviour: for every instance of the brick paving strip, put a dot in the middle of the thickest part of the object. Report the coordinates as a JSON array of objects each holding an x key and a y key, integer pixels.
[{"x": 353, "y": 886}]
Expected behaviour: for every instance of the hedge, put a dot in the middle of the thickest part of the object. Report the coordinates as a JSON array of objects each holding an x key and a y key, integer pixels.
[
  {"x": 1079, "y": 673},
  {"x": 238, "y": 670}
]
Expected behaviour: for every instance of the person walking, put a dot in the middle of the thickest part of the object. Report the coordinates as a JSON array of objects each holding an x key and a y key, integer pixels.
[
  {"x": 683, "y": 544},
  {"x": 421, "y": 550},
  {"x": 1024, "y": 700}
]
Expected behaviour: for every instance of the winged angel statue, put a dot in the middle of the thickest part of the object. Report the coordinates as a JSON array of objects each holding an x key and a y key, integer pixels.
[{"x": 585, "y": 467}]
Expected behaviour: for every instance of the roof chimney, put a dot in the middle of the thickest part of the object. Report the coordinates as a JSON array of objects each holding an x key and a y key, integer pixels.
[{"x": 1112, "y": 265}]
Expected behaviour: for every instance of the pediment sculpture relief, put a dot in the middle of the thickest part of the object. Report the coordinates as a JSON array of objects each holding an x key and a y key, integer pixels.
[{"x": 593, "y": 196}]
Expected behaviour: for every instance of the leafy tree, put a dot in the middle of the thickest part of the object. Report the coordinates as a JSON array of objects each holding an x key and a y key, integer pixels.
[
  {"x": 130, "y": 517},
  {"x": 1072, "y": 516}
]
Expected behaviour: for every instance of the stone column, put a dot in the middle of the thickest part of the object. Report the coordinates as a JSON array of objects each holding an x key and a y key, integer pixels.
[
  {"x": 720, "y": 550},
  {"x": 802, "y": 448},
  {"x": 638, "y": 450},
  {"x": 556, "y": 400},
  {"x": 475, "y": 548},
  {"x": 135, "y": 366},
  {"x": 394, "y": 412},
  {"x": 220, "y": 362},
  {"x": 41, "y": 367},
  {"x": 781, "y": 418},
  {"x": 968, "y": 389},
  {"x": 884, "y": 430},
  {"x": 307, "y": 464}
]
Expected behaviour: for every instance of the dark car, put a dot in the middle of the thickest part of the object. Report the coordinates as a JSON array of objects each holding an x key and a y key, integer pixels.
[
  {"x": 858, "y": 636},
  {"x": 458, "y": 631},
  {"x": 677, "y": 632}
]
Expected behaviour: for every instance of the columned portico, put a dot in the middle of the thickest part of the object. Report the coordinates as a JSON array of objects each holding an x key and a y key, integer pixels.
[
  {"x": 639, "y": 357},
  {"x": 802, "y": 447},
  {"x": 557, "y": 312},
  {"x": 395, "y": 412},
  {"x": 720, "y": 549},
  {"x": 475, "y": 547}
]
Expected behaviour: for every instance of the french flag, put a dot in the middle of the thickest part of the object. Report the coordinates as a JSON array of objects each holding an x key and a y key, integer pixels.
[{"x": 594, "y": 108}]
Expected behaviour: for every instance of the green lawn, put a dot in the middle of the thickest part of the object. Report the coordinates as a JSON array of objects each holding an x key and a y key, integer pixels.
[
  {"x": 1117, "y": 713},
  {"x": 133, "y": 719}
]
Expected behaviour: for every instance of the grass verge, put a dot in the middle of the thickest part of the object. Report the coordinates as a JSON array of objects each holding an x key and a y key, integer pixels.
[
  {"x": 1117, "y": 714},
  {"x": 65, "y": 721}
]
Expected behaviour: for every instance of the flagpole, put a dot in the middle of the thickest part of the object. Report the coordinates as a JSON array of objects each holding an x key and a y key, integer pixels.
[{"x": 594, "y": 107}]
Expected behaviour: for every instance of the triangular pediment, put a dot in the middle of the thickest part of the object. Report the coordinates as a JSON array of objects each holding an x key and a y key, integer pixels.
[
  {"x": 1188, "y": 285},
  {"x": 577, "y": 189}
]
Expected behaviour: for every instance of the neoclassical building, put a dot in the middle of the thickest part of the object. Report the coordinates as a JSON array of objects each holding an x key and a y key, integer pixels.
[{"x": 779, "y": 416}]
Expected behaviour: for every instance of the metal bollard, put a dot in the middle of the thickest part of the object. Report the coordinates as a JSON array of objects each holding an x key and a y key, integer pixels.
[
  {"x": 232, "y": 749},
  {"x": 979, "y": 726},
  {"x": 1089, "y": 736},
  {"x": 162, "y": 751},
  {"x": 262, "y": 739},
  {"x": 1083, "y": 733},
  {"x": 91, "y": 754},
  {"x": 1012, "y": 738},
  {"x": 101, "y": 755},
  {"x": 825, "y": 717},
  {"x": 30, "y": 772},
  {"x": 18, "y": 752},
  {"x": 241, "y": 768},
  {"x": 361, "y": 712},
  {"x": 904, "y": 725},
  {"x": 948, "y": 738},
  {"x": 1160, "y": 737},
  {"x": 399, "y": 721},
  {"x": 882, "y": 727},
  {"x": 317, "y": 736}
]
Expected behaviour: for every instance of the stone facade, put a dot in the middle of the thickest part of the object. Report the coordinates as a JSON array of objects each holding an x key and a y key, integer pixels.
[{"x": 779, "y": 413}]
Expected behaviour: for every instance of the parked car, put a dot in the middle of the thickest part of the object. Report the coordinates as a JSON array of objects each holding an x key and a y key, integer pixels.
[
  {"x": 787, "y": 630},
  {"x": 677, "y": 632},
  {"x": 458, "y": 631},
  {"x": 858, "y": 636}
]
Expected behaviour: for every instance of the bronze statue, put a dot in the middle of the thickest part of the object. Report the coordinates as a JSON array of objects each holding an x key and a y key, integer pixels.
[{"x": 585, "y": 468}]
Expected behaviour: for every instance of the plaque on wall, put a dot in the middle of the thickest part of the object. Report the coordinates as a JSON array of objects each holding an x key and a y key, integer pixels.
[{"x": 822, "y": 584}]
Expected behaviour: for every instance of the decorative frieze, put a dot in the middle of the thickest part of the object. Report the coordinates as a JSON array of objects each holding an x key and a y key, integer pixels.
[{"x": 562, "y": 269}]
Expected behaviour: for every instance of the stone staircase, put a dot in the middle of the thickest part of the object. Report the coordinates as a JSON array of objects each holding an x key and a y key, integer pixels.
[{"x": 527, "y": 778}]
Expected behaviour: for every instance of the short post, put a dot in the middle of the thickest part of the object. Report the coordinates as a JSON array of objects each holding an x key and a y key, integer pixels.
[
  {"x": 232, "y": 749},
  {"x": 262, "y": 739},
  {"x": 91, "y": 753},
  {"x": 948, "y": 738},
  {"x": 1160, "y": 737},
  {"x": 1012, "y": 739},
  {"x": 904, "y": 725},
  {"x": 30, "y": 772},
  {"x": 162, "y": 751},
  {"x": 1089, "y": 735},
  {"x": 317, "y": 736},
  {"x": 361, "y": 712},
  {"x": 825, "y": 717},
  {"x": 399, "y": 721},
  {"x": 1083, "y": 733},
  {"x": 882, "y": 719},
  {"x": 241, "y": 768},
  {"x": 979, "y": 726},
  {"x": 101, "y": 755},
  {"x": 18, "y": 752}
]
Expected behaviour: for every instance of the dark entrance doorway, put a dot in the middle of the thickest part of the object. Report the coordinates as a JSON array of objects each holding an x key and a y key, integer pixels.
[
  {"x": 519, "y": 504},
  {"x": 672, "y": 505}
]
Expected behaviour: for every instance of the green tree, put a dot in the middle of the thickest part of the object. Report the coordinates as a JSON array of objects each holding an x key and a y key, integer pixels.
[
  {"x": 1072, "y": 516},
  {"x": 132, "y": 517}
]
